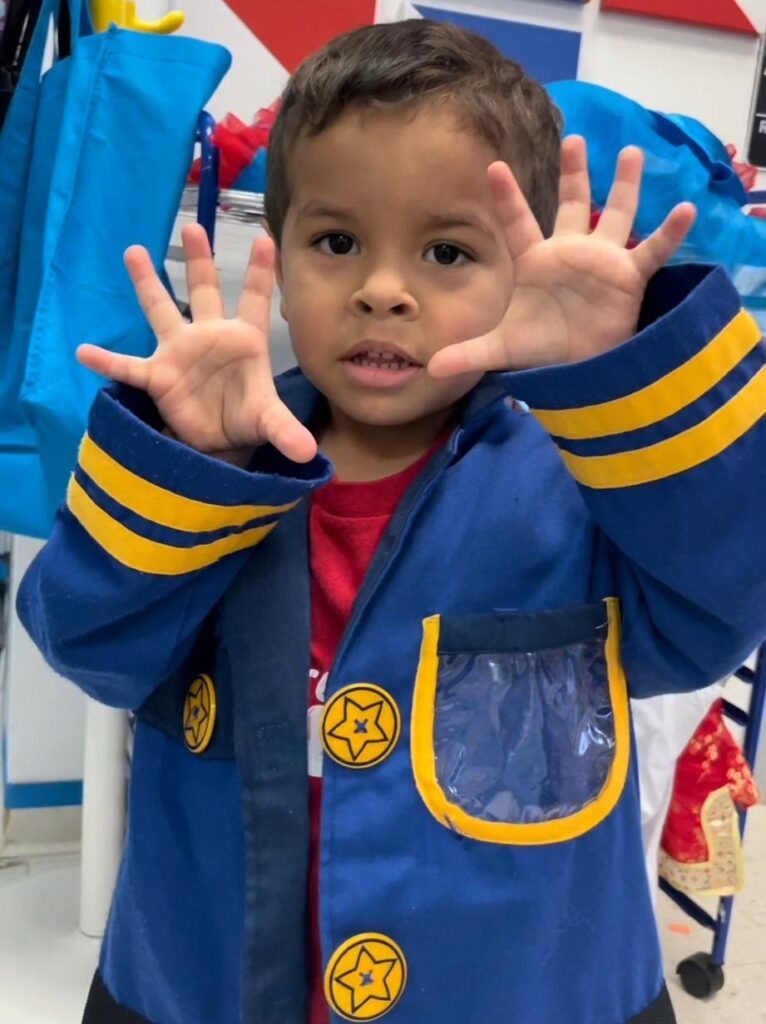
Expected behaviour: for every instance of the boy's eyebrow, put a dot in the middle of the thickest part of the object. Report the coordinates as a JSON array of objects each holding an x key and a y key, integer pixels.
[
  {"x": 458, "y": 219},
  {"x": 444, "y": 222},
  {"x": 317, "y": 208}
]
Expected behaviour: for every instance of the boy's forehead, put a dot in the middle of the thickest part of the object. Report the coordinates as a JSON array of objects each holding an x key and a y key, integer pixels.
[{"x": 430, "y": 158}]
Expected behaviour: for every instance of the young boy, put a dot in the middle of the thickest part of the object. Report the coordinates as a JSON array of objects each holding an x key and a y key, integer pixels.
[{"x": 448, "y": 578}]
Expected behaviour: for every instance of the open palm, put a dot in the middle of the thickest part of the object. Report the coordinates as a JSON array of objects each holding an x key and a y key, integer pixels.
[
  {"x": 211, "y": 380},
  {"x": 578, "y": 293}
]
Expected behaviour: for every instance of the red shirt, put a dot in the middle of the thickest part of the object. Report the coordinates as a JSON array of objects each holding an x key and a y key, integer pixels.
[{"x": 346, "y": 524}]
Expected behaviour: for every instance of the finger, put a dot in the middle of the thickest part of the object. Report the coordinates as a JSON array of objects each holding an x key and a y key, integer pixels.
[
  {"x": 616, "y": 222},
  {"x": 574, "y": 188},
  {"x": 279, "y": 427},
  {"x": 477, "y": 355},
  {"x": 255, "y": 303},
  {"x": 520, "y": 228},
  {"x": 657, "y": 249},
  {"x": 202, "y": 281},
  {"x": 159, "y": 308},
  {"x": 130, "y": 370}
]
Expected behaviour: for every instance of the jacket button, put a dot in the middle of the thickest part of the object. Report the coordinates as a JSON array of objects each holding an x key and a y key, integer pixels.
[
  {"x": 199, "y": 714},
  {"x": 365, "y": 977},
  {"x": 361, "y": 725}
]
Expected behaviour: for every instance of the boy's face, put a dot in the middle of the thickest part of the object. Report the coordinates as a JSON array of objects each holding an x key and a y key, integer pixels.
[{"x": 391, "y": 250}]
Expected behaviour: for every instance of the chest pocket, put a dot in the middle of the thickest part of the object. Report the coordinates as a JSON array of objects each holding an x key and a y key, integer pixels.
[{"x": 520, "y": 728}]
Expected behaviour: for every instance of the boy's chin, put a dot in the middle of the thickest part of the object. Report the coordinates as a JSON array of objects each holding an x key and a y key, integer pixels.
[
  {"x": 393, "y": 415},
  {"x": 385, "y": 409}
]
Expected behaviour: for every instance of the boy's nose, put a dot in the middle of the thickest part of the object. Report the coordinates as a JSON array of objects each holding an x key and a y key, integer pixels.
[{"x": 384, "y": 294}]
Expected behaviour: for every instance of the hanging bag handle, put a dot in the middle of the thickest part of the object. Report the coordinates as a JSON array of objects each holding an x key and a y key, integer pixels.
[{"x": 17, "y": 134}]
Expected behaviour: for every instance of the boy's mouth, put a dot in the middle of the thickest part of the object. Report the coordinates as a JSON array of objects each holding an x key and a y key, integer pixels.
[
  {"x": 380, "y": 356},
  {"x": 379, "y": 365}
]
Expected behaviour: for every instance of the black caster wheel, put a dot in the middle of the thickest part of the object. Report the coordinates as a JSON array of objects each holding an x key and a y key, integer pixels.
[{"x": 700, "y": 976}]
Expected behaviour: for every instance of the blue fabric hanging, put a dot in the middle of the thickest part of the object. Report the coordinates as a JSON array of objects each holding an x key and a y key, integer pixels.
[
  {"x": 683, "y": 161},
  {"x": 93, "y": 157}
]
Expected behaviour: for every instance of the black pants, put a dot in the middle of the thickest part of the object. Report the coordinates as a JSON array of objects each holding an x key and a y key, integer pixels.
[{"x": 102, "y": 1009}]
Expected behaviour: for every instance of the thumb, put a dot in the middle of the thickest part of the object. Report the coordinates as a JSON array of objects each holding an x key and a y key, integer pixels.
[
  {"x": 476, "y": 355},
  {"x": 279, "y": 427}
]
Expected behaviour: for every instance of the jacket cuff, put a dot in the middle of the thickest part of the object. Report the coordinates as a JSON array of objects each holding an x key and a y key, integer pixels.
[
  {"x": 685, "y": 388},
  {"x": 160, "y": 507}
]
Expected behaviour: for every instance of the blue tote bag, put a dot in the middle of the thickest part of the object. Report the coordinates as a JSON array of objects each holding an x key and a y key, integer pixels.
[{"x": 93, "y": 158}]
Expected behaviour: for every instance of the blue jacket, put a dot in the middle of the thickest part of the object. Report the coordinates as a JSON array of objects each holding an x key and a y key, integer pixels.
[{"x": 481, "y": 846}]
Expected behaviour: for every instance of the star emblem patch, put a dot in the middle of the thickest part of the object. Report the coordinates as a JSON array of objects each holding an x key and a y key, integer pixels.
[
  {"x": 200, "y": 714},
  {"x": 366, "y": 977},
  {"x": 361, "y": 726}
]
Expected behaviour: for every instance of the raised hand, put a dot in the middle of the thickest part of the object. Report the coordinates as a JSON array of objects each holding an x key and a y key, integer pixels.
[
  {"x": 211, "y": 380},
  {"x": 578, "y": 293}
]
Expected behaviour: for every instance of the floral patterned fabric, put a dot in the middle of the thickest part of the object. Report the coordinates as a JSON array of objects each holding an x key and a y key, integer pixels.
[{"x": 701, "y": 847}]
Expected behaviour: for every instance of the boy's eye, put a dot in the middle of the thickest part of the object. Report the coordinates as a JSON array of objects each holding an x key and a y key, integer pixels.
[
  {"x": 447, "y": 255},
  {"x": 336, "y": 244}
]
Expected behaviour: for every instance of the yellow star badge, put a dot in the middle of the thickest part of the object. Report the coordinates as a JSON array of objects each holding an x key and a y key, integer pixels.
[
  {"x": 361, "y": 726},
  {"x": 365, "y": 977},
  {"x": 200, "y": 714}
]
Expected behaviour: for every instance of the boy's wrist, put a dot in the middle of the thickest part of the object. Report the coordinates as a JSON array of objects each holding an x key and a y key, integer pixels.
[{"x": 239, "y": 457}]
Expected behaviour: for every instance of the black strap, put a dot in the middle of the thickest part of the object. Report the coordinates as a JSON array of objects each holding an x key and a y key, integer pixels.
[
  {"x": 20, "y": 24},
  {"x": 101, "y": 1008},
  {"x": 64, "y": 30},
  {"x": 21, "y": 18}
]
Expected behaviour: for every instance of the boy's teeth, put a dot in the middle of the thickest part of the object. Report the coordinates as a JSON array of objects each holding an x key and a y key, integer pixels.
[{"x": 383, "y": 359}]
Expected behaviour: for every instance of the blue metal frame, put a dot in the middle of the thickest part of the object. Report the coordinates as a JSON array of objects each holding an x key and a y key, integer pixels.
[{"x": 207, "y": 201}]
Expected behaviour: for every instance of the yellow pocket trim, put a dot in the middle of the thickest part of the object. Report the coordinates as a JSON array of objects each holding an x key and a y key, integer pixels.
[
  {"x": 150, "y": 556},
  {"x": 666, "y": 396},
  {"x": 158, "y": 505},
  {"x": 676, "y": 454},
  {"x": 543, "y": 833}
]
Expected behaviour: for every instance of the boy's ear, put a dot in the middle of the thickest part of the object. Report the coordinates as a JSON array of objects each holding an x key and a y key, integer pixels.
[{"x": 279, "y": 274}]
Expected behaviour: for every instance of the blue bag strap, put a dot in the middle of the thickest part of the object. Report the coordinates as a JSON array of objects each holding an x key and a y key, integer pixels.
[{"x": 17, "y": 135}]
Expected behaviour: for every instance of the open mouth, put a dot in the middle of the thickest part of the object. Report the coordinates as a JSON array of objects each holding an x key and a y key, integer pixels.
[
  {"x": 382, "y": 361},
  {"x": 376, "y": 364}
]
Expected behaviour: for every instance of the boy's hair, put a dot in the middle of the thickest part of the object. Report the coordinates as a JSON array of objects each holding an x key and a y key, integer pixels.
[{"x": 408, "y": 64}]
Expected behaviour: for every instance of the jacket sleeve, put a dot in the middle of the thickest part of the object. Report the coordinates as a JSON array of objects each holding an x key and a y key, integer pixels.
[
  {"x": 666, "y": 438},
  {"x": 151, "y": 535}
]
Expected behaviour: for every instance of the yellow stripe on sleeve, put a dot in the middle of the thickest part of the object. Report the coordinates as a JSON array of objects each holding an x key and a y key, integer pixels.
[
  {"x": 149, "y": 556},
  {"x": 161, "y": 506},
  {"x": 676, "y": 454},
  {"x": 664, "y": 397}
]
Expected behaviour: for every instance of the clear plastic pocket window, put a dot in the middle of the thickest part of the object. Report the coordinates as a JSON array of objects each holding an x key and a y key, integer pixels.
[
  {"x": 520, "y": 726},
  {"x": 524, "y": 737}
]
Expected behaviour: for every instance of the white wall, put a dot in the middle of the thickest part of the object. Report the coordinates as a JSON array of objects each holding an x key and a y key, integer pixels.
[
  {"x": 676, "y": 68},
  {"x": 256, "y": 77}
]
